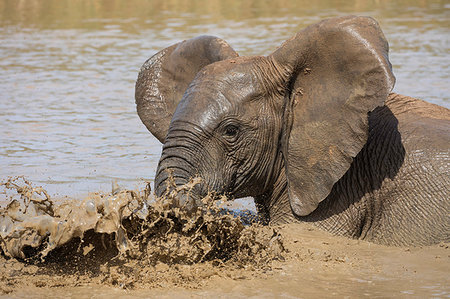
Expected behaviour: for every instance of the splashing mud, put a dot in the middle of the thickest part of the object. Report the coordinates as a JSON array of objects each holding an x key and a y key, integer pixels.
[
  {"x": 128, "y": 244},
  {"x": 125, "y": 238}
]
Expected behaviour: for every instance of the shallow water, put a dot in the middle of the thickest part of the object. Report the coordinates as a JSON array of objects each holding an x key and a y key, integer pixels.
[
  {"x": 67, "y": 73},
  {"x": 114, "y": 245},
  {"x": 69, "y": 123}
]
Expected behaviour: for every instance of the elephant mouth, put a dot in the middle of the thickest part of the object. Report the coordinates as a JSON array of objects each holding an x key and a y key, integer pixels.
[
  {"x": 190, "y": 194},
  {"x": 184, "y": 193}
]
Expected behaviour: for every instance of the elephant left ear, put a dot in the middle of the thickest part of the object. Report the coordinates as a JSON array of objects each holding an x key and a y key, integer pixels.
[
  {"x": 165, "y": 76},
  {"x": 337, "y": 72}
]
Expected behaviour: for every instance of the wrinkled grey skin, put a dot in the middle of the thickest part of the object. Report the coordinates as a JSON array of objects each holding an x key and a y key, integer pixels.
[{"x": 311, "y": 132}]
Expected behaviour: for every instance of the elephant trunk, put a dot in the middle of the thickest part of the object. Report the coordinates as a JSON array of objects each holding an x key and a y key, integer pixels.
[{"x": 174, "y": 173}]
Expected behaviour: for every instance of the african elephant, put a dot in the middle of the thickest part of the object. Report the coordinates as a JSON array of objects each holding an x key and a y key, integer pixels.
[{"x": 312, "y": 132}]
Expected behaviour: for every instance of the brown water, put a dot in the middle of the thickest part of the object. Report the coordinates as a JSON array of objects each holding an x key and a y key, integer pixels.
[
  {"x": 68, "y": 118},
  {"x": 67, "y": 73},
  {"x": 115, "y": 245}
]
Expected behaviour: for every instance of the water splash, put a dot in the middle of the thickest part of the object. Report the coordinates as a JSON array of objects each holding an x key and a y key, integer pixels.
[{"x": 128, "y": 224}]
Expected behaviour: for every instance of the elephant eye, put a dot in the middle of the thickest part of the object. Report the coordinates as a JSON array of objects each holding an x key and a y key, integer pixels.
[{"x": 231, "y": 130}]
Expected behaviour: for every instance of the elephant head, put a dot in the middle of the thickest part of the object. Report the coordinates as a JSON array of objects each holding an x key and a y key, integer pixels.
[{"x": 242, "y": 124}]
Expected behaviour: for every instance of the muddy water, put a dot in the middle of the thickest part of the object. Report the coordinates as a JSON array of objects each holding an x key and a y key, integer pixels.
[
  {"x": 68, "y": 120},
  {"x": 67, "y": 73},
  {"x": 120, "y": 245}
]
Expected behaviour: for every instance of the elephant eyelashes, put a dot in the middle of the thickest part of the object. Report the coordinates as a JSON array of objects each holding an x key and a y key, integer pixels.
[{"x": 230, "y": 132}]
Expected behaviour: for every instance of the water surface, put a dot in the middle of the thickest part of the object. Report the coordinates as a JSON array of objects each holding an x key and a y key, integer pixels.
[
  {"x": 69, "y": 122},
  {"x": 68, "y": 68}
]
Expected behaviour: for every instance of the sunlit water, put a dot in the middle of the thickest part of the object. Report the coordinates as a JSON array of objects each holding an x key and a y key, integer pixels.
[{"x": 68, "y": 68}]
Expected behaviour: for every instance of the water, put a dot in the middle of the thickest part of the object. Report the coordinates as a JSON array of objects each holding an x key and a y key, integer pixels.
[
  {"x": 67, "y": 73},
  {"x": 69, "y": 122}
]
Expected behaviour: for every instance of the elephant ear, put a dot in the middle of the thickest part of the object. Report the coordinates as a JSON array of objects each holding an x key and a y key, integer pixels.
[
  {"x": 165, "y": 76},
  {"x": 338, "y": 71}
]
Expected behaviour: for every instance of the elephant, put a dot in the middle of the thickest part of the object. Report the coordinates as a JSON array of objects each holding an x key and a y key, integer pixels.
[{"x": 312, "y": 132}]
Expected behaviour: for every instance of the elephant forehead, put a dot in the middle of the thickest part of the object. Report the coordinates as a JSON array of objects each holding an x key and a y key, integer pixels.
[
  {"x": 203, "y": 108},
  {"x": 209, "y": 99}
]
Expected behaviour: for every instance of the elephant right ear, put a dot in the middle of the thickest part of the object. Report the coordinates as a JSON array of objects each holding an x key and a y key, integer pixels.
[
  {"x": 165, "y": 76},
  {"x": 337, "y": 72}
]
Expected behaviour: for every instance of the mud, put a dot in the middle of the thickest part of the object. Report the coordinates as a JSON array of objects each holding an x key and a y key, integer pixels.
[
  {"x": 125, "y": 239},
  {"x": 126, "y": 243}
]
